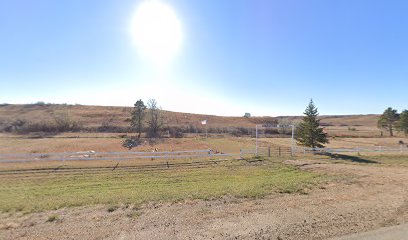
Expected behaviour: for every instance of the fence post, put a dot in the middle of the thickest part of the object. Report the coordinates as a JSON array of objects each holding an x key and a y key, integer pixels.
[
  {"x": 240, "y": 153},
  {"x": 279, "y": 151},
  {"x": 269, "y": 151}
]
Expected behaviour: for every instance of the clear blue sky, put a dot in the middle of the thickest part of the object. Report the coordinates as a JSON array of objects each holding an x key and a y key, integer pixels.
[{"x": 264, "y": 57}]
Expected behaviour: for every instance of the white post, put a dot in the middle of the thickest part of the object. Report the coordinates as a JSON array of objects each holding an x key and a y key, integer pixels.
[{"x": 256, "y": 136}]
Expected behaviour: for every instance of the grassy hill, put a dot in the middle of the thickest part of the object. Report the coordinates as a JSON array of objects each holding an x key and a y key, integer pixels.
[{"x": 96, "y": 116}]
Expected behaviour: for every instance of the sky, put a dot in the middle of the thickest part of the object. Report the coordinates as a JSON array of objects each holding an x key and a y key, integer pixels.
[{"x": 265, "y": 57}]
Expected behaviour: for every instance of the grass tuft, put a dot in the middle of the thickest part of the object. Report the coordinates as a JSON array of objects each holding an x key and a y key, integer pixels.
[
  {"x": 112, "y": 208},
  {"x": 52, "y": 218}
]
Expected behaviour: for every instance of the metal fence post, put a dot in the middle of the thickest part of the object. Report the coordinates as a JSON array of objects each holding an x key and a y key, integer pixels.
[{"x": 256, "y": 140}]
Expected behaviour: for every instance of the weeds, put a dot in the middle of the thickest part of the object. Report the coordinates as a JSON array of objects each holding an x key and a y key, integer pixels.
[{"x": 53, "y": 218}]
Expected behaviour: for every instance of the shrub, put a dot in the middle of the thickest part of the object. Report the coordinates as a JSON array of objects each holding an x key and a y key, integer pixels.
[
  {"x": 131, "y": 142},
  {"x": 40, "y": 103},
  {"x": 52, "y": 218},
  {"x": 15, "y": 126},
  {"x": 176, "y": 132},
  {"x": 112, "y": 208}
]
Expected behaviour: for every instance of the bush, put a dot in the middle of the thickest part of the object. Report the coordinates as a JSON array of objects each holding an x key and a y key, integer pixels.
[
  {"x": 64, "y": 123},
  {"x": 61, "y": 123},
  {"x": 14, "y": 126},
  {"x": 40, "y": 103},
  {"x": 271, "y": 131},
  {"x": 112, "y": 129},
  {"x": 192, "y": 129},
  {"x": 131, "y": 142},
  {"x": 176, "y": 132}
]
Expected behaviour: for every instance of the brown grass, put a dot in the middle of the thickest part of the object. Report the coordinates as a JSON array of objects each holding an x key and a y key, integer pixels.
[{"x": 93, "y": 116}]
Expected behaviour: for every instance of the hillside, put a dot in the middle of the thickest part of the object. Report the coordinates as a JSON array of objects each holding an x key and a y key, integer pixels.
[{"x": 95, "y": 116}]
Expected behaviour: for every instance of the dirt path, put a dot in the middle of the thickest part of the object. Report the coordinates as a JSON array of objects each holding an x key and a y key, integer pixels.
[
  {"x": 399, "y": 232},
  {"x": 366, "y": 198}
]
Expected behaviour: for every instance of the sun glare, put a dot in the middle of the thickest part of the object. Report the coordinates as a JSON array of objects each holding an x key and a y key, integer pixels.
[{"x": 157, "y": 31}]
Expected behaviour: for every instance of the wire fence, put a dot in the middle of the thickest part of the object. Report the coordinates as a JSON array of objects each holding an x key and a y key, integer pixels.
[
  {"x": 270, "y": 151},
  {"x": 111, "y": 156},
  {"x": 92, "y": 159}
]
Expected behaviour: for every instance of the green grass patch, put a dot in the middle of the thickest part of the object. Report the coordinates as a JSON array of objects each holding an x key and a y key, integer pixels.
[{"x": 39, "y": 192}]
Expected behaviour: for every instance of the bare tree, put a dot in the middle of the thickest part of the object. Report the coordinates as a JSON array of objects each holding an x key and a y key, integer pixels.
[
  {"x": 155, "y": 120},
  {"x": 285, "y": 127}
]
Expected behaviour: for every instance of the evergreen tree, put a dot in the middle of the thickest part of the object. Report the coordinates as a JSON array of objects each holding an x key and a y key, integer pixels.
[
  {"x": 388, "y": 120},
  {"x": 403, "y": 122},
  {"x": 138, "y": 115},
  {"x": 309, "y": 132}
]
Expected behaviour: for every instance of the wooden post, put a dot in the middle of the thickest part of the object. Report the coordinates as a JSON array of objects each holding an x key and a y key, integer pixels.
[
  {"x": 269, "y": 151},
  {"x": 279, "y": 151}
]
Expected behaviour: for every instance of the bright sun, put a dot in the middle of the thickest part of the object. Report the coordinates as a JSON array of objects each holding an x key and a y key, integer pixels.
[{"x": 157, "y": 31}]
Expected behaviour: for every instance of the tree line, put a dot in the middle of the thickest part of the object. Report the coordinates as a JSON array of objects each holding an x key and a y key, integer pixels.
[{"x": 391, "y": 120}]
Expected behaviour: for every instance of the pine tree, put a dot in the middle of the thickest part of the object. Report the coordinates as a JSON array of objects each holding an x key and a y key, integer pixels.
[
  {"x": 309, "y": 132},
  {"x": 138, "y": 115},
  {"x": 388, "y": 120},
  {"x": 403, "y": 122}
]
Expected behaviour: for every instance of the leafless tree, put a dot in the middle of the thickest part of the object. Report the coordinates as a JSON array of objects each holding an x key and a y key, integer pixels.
[{"x": 155, "y": 120}]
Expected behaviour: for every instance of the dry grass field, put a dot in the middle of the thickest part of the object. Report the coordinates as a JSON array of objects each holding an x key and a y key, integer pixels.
[
  {"x": 73, "y": 142},
  {"x": 279, "y": 197},
  {"x": 93, "y": 116}
]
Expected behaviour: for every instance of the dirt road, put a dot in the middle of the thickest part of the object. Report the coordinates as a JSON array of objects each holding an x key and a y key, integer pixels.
[
  {"x": 399, "y": 232},
  {"x": 366, "y": 197}
]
